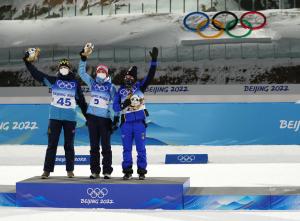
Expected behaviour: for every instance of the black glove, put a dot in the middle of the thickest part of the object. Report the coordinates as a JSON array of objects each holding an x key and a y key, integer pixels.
[
  {"x": 126, "y": 103},
  {"x": 115, "y": 124},
  {"x": 26, "y": 55},
  {"x": 154, "y": 53},
  {"x": 83, "y": 58}
]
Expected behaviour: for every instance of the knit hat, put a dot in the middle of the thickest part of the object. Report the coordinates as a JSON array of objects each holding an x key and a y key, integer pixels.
[
  {"x": 64, "y": 63},
  {"x": 132, "y": 72},
  {"x": 103, "y": 68}
]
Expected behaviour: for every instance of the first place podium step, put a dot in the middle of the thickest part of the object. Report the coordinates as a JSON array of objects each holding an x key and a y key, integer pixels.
[{"x": 116, "y": 193}]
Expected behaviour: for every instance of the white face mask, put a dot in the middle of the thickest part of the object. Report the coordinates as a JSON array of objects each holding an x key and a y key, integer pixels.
[
  {"x": 64, "y": 71},
  {"x": 101, "y": 76}
]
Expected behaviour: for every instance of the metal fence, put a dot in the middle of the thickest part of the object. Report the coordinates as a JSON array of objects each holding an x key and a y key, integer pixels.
[
  {"x": 280, "y": 49},
  {"x": 147, "y": 6}
]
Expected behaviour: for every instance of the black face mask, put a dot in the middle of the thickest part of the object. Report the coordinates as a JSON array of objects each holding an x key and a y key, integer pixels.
[{"x": 128, "y": 83}]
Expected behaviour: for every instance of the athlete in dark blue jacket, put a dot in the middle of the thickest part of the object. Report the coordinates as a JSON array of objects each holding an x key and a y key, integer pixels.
[
  {"x": 66, "y": 93},
  {"x": 129, "y": 101}
]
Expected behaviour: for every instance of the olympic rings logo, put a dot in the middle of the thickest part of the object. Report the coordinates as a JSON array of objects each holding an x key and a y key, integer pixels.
[
  {"x": 97, "y": 192},
  {"x": 100, "y": 87},
  {"x": 124, "y": 92},
  {"x": 185, "y": 158},
  {"x": 65, "y": 84},
  {"x": 221, "y": 26}
]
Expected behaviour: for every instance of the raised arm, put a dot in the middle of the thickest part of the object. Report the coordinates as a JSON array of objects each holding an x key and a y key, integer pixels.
[
  {"x": 82, "y": 73},
  {"x": 38, "y": 75},
  {"x": 150, "y": 76},
  {"x": 84, "y": 53}
]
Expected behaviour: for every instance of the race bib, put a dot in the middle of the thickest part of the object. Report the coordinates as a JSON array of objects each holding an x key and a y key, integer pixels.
[
  {"x": 99, "y": 102},
  {"x": 100, "y": 96},
  {"x": 63, "y": 94}
]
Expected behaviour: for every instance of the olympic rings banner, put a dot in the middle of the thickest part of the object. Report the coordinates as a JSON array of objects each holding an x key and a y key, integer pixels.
[
  {"x": 199, "y": 21},
  {"x": 186, "y": 158},
  {"x": 172, "y": 124}
]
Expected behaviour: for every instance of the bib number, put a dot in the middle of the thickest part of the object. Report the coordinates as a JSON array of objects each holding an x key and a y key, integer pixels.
[
  {"x": 99, "y": 103},
  {"x": 64, "y": 102}
]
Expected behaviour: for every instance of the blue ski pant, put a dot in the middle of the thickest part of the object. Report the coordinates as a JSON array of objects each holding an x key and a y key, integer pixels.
[{"x": 134, "y": 131}]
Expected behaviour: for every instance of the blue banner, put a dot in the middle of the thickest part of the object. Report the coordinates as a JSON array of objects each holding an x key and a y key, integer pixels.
[
  {"x": 8, "y": 199},
  {"x": 173, "y": 124},
  {"x": 227, "y": 202},
  {"x": 155, "y": 193},
  {"x": 79, "y": 160},
  {"x": 186, "y": 158}
]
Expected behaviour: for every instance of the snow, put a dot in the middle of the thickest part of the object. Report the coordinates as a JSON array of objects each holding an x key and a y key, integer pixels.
[
  {"x": 48, "y": 214},
  {"x": 228, "y": 166},
  {"x": 242, "y": 174},
  {"x": 247, "y": 166},
  {"x": 126, "y": 30},
  {"x": 121, "y": 5},
  {"x": 219, "y": 71},
  {"x": 34, "y": 154}
]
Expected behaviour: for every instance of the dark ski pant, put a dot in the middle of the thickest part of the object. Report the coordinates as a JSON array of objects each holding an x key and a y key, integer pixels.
[
  {"x": 136, "y": 131},
  {"x": 100, "y": 131},
  {"x": 54, "y": 130}
]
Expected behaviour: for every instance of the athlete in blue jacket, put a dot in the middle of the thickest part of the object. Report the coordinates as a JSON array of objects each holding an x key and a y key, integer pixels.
[
  {"x": 130, "y": 101},
  {"x": 99, "y": 117},
  {"x": 66, "y": 93}
]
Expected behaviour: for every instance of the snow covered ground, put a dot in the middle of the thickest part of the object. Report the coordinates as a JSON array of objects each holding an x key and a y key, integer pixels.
[
  {"x": 127, "y": 30},
  {"x": 16, "y": 155},
  {"x": 228, "y": 166},
  {"x": 49, "y": 214},
  {"x": 122, "y": 6},
  {"x": 280, "y": 167}
]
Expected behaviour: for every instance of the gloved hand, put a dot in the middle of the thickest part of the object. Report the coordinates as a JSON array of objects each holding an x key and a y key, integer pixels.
[
  {"x": 126, "y": 103},
  {"x": 26, "y": 56},
  {"x": 154, "y": 53},
  {"x": 31, "y": 54},
  {"x": 86, "y": 51},
  {"x": 83, "y": 58},
  {"x": 115, "y": 124}
]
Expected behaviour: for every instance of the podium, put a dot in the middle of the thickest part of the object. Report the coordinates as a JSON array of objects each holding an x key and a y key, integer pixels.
[
  {"x": 172, "y": 193},
  {"x": 242, "y": 198},
  {"x": 115, "y": 193},
  {"x": 7, "y": 195}
]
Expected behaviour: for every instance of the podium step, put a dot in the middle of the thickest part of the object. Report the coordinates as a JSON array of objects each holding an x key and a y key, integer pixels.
[
  {"x": 7, "y": 195},
  {"x": 153, "y": 193},
  {"x": 116, "y": 193},
  {"x": 242, "y": 198}
]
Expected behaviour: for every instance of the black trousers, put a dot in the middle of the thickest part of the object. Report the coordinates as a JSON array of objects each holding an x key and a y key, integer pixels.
[
  {"x": 54, "y": 130},
  {"x": 100, "y": 131}
]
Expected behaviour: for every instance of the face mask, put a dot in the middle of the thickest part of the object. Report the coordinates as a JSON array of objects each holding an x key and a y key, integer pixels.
[
  {"x": 64, "y": 71},
  {"x": 101, "y": 76},
  {"x": 128, "y": 82}
]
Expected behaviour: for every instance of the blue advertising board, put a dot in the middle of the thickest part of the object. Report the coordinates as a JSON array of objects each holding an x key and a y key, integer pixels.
[
  {"x": 81, "y": 192},
  {"x": 173, "y": 124},
  {"x": 186, "y": 158}
]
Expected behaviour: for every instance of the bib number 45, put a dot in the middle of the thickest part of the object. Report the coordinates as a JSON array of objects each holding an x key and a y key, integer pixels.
[{"x": 64, "y": 102}]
